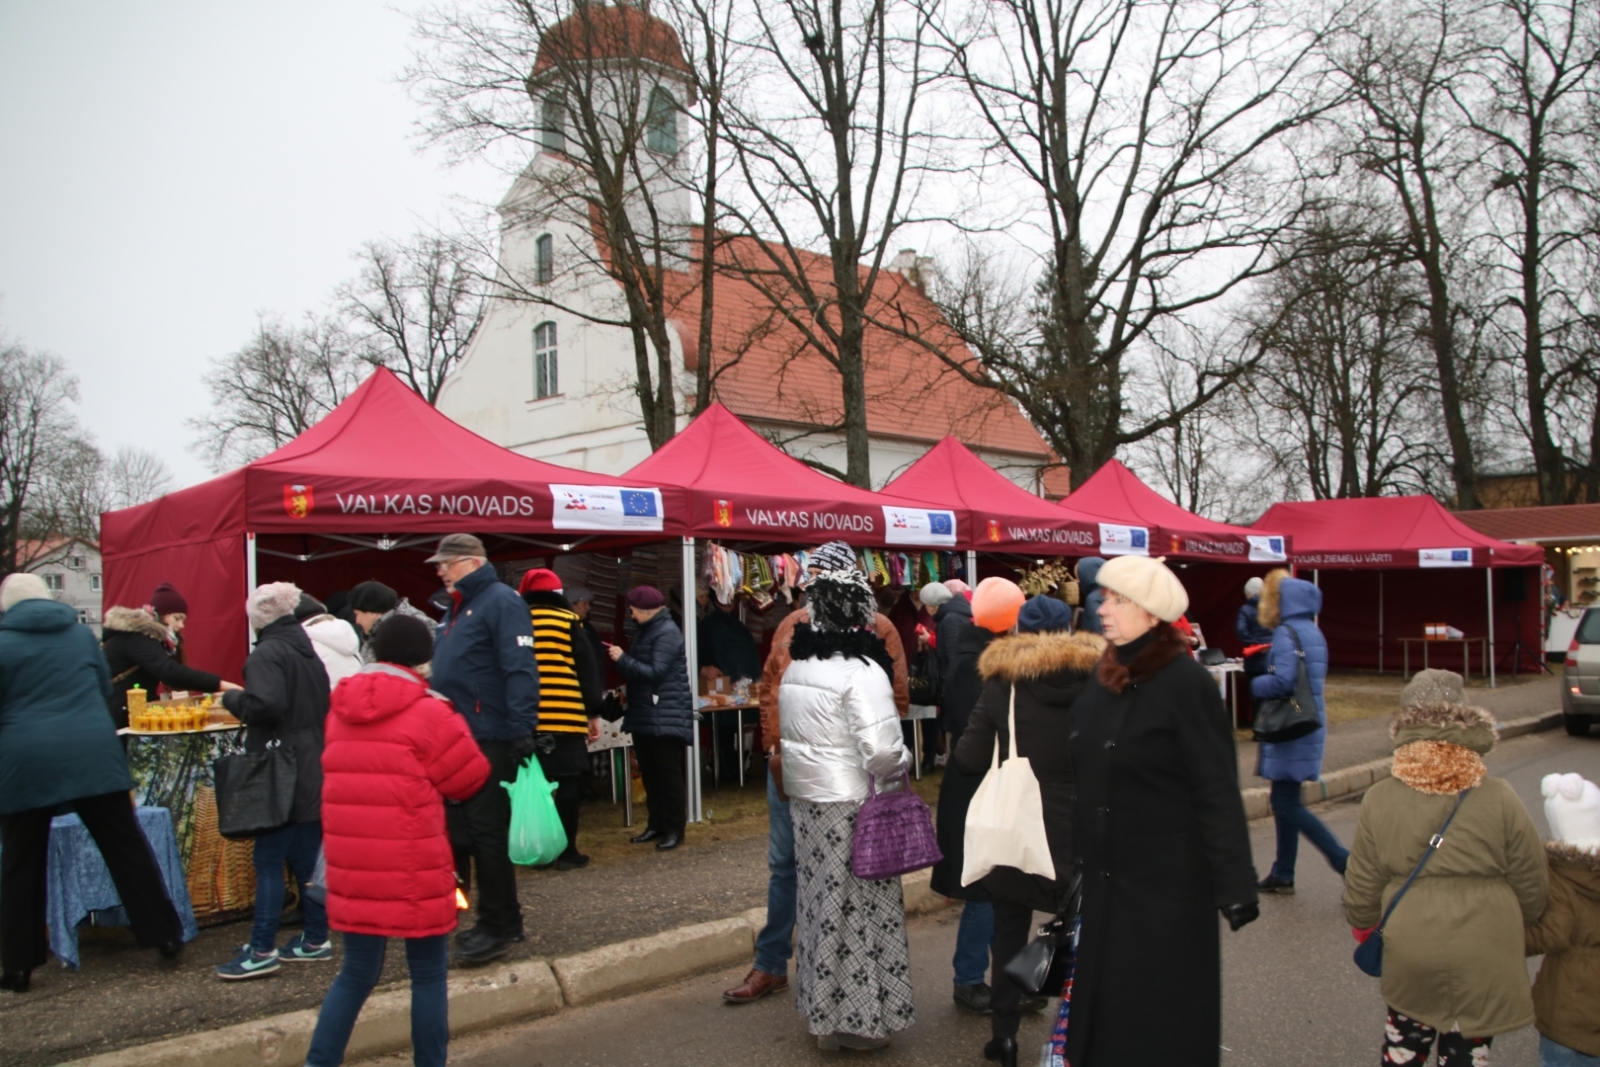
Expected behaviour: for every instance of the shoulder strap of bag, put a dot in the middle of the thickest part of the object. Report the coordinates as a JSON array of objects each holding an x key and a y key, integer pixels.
[
  {"x": 1433, "y": 846},
  {"x": 125, "y": 675},
  {"x": 1011, "y": 722}
]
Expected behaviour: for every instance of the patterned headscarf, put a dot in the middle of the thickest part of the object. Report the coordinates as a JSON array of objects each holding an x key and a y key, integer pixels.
[{"x": 841, "y": 600}]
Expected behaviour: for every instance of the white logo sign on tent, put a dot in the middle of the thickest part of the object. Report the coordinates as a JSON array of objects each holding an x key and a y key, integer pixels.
[
  {"x": 1266, "y": 549},
  {"x": 915, "y": 526},
  {"x": 1444, "y": 557},
  {"x": 1124, "y": 540},
  {"x": 605, "y": 507}
]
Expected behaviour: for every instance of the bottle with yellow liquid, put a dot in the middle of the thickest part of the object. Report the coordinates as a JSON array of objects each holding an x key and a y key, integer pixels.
[{"x": 136, "y": 699}]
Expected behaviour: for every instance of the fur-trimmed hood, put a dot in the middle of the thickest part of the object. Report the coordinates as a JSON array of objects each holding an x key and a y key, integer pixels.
[
  {"x": 1269, "y": 610},
  {"x": 1438, "y": 767},
  {"x": 1021, "y": 657},
  {"x": 1458, "y": 724},
  {"x": 135, "y": 621},
  {"x": 1562, "y": 854},
  {"x": 1138, "y": 661}
]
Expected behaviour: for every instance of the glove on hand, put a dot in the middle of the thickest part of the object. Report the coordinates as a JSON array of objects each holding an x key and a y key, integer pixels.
[
  {"x": 523, "y": 747},
  {"x": 1239, "y": 915}
]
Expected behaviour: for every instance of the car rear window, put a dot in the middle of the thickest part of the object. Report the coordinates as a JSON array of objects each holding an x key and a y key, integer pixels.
[{"x": 1589, "y": 628}]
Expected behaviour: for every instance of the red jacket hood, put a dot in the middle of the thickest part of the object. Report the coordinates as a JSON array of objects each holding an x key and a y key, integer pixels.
[{"x": 377, "y": 691}]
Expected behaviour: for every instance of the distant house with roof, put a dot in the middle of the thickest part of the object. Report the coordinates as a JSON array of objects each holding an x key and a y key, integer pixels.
[
  {"x": 557, "y": 382},
  {"x": 70, "y": 568}
]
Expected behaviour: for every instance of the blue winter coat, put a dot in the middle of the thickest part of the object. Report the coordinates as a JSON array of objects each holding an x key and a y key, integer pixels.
[
  {"x": 659, "y": 702},
  {"x": 1093, "y": 596},
  {"x": 483, "y": 659},
  {"x": 1299, "y": 760},
  {"x": 57, "y": 740}
]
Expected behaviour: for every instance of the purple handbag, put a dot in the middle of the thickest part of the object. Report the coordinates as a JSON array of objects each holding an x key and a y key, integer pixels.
[{"x": 894, "y": 834}]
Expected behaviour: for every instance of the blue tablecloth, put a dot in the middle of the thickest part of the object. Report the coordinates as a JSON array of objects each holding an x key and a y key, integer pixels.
[{"x": 79, "y": 883}]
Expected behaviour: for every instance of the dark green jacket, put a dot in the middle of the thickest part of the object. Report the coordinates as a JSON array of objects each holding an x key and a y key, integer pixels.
[{"x": 57, "y": 741}]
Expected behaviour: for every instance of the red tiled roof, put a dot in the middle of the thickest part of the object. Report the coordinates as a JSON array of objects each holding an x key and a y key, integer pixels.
[
  {"x": 1566, "y": 522},
  {"x": 766, "y": 371},
  {"x": 596, "y": 31}
]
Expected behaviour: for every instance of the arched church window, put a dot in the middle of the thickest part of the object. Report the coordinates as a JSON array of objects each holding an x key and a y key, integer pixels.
[
  {"x": 553, "y": 123},
  {"x": 544, "y": 258},
  {"x": 661, "y": 123},
  {"x": 545, "y": 379}
]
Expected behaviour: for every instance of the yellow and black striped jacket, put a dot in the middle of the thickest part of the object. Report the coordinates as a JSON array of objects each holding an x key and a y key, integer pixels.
[{"x": 561, "y": 704}]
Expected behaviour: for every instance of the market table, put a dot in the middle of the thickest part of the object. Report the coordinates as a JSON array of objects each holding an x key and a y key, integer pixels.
[
  {"x": 78, "y": 886},
  {"x": 1466, "y": 644},
  {"x": 1228, "y": 675},
  {"x": 616, "y": 742},
  {"x": 917, "y": 714},
  {"x": 707, "y": 708}
]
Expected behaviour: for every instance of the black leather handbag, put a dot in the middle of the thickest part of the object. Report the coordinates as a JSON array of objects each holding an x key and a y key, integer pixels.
[
  {"x": 255, "y": 791},
  {"x": 924, "y": 684},
  {"x": 1041, "y": 966},
  {"x": 1292, "y": 717}
]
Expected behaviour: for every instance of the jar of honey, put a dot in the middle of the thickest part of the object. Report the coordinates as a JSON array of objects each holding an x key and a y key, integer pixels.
[{"x": 136, "y": 703}]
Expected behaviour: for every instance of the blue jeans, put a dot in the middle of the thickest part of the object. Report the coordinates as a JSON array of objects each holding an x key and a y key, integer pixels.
[
  {"x": 973, "y": 937},
  {"x": 775, "y": 943},
  {"x": 1552, "y": 1054},
  {"x": 296, "y": 844},
  {"x": 1293, "y": 819},
  {"x": 428, "y": 960}
]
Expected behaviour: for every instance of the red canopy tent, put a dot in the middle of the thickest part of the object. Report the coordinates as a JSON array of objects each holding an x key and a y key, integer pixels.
[
  {"x": 1005, "y": 516},
  {"x": 1400, "y": 559},
  {"x": 362, "y": 494},
  {"x": 738, "y": 484}
]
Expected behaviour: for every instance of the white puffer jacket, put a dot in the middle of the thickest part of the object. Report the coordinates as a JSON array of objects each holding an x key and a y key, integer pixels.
[
  {"x": 337, "y": 646},
  {"x": 839, "y": 724}
]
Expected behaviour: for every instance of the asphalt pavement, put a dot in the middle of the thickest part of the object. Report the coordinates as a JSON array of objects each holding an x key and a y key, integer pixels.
[{"x": 1291, "y": 994}]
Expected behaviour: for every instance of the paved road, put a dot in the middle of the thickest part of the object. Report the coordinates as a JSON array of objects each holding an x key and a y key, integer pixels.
[{"x": 1292, "y": 995}]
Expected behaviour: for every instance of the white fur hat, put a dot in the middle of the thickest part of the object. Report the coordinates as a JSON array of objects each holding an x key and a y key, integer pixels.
[
  {"x": 1254, "y": 586},
  {"x": 22, "y": 586},
  {"x": 271, "y": 602},
  {"x": 1572, "y": 807},
  {"x": 1147, "y": 582}
]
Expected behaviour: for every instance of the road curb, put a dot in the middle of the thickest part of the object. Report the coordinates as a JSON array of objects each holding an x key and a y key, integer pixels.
[{"x": 1361, "y": 777}]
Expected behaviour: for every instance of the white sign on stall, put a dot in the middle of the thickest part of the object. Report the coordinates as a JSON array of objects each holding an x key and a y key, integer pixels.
[{"x": 605, "y": 507}]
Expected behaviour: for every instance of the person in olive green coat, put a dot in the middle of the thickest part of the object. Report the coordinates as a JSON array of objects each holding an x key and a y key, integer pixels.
[
  {"x": 1453, "y": 948},
  {"x": 58, "y": 746}
]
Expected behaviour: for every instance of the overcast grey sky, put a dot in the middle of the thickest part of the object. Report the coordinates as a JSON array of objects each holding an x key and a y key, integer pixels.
[{"x": 174, "y": 168}]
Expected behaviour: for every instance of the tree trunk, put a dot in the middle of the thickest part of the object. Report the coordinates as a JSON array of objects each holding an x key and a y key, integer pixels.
[{"x": 1441, "y": 335}]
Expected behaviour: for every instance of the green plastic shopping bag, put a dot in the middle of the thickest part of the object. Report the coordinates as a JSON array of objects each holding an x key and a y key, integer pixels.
[{"x": 537, "y": 836}]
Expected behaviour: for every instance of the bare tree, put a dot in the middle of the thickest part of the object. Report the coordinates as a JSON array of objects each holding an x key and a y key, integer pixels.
[
  {"x": 415, "y": 308},
  {"x": 831, "y": 146},
  {"x": 48, "y": 466},
  {"x": 134, "y": 476},
  {"x": 274, "y": 388},
  {"x": 1157, "y": 147}
]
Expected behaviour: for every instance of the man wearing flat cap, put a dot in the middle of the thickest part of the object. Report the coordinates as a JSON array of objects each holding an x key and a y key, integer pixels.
[{"x": 483, "y": 664}]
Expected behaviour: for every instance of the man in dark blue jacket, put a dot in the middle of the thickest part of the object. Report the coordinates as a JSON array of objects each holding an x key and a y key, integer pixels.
[{"x": 483, "y": 664}]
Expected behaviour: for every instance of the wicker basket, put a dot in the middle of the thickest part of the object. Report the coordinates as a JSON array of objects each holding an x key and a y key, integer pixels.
[{"x": 221, "y": 875}]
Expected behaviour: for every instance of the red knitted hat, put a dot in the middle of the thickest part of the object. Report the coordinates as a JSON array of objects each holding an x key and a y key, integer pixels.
[{"x": 540, "y": 580}]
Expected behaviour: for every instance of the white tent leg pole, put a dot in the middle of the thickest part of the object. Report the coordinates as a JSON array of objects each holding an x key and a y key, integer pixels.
[
  {"x": 1380, "y": 622},
  {"x": 250, "y": 579},
  {"x": 972, "y": 568},
  {"x": 1488, "y": 578},
  {"x": 691, "y": 654}
]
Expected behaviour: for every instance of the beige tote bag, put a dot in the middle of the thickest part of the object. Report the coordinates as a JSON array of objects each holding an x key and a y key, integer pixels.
[{"x": 1005, "y": 822}]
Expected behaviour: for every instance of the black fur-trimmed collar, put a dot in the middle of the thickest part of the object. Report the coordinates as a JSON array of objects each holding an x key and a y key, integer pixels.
[
  {"x": 866, "y": 645},
  {"x": 1161, "y": 647}
]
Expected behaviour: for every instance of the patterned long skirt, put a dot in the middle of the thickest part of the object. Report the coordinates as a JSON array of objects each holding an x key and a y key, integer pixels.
[{"x": 852, "y": 964}]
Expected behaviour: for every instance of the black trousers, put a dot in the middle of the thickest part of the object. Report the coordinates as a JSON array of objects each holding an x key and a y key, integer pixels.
[
  {"x": 1013, "y": 926},
  {"x": 665, "y": 771},
  {"x": 24, "y": 850},
  {"x": 479, "y": 829},
  {"x": 565, "y": 766}
]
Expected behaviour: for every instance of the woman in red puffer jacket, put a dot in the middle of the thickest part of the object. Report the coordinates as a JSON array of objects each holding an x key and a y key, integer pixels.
[{"x": 394, "y": 753}]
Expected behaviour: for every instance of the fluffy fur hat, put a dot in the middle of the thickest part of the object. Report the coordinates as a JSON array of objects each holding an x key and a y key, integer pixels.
[
  {"x": 1253, "y": 587},
  {"x": 271, "y": 602},
  {"x": 996, "y": 603},
  {"x": 1572, "y": 807},
  {"x": 1457, "y": 724},
  {"x": 1148, "y": 582},
  {"x": 21, "y": 586},
  {"x": 933, "y": 594},
  {"x": 841, "y": 600},
  {"x": 1432, "y": 688}
]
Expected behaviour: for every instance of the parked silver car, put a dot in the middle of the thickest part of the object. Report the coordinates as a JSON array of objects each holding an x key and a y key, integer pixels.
[{"x": 1580, "y": 682}]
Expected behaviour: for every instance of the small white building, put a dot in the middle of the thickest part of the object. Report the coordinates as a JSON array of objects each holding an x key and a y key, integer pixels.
[
  {"x": 555, "y": 381},
  {"x": 71, "y": 570}
]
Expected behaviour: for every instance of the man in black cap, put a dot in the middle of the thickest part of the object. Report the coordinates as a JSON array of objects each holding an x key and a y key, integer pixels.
[{"x": 483, "y": 663}]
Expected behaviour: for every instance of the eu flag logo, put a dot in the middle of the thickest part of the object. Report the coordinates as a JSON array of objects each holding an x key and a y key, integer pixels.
[
  {"x": 637, "y": 503},
  {"x": 1276, "y": 544},
  {"x": 939, "y": 522},
  {"x": 1137, "y": 537},
  {"x": 1461, "y": 555}
]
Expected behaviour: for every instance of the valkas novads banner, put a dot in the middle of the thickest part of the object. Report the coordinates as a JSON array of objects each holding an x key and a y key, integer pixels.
[
  {"x": 788, "y": 520},
  {"x": 386, "y": 506}
]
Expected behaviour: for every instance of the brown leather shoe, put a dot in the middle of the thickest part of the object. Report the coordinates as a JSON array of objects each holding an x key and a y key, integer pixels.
[{"x": 757, "y": 984}]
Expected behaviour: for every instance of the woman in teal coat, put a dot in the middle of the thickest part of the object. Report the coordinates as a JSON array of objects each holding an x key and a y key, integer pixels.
[{"x": 58, "y": 746}]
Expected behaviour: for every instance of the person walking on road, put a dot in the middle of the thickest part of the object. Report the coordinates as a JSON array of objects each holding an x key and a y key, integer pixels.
[
  {"x": 284, "y": 702},
  {"x": 393, "y": 754},
  {"x": 840, "y": 731},
  {"x": 660, "y": 714},
  {"x": 58, "y": 747},
  {"x": 1453, "y": 970},
  {"x": 1289, "y": 606},
  {"x": 1161, "y": 828},
  {"x": 774, "y": 943},
  {"x": 1045, "y": 667},
  {"x": 1567, "y": 991},
  {"x": 483, "y": 664}
]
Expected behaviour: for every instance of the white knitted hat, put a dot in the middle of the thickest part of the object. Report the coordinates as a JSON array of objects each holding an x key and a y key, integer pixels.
[
  {"x": 1147, "y": 582},
  {"x": 1572, "y": 807}
]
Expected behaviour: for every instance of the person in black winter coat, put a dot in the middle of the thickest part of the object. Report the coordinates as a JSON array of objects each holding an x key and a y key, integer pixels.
[
  {"x": 1247, "y": 626},
  {"x": 1046, "y": 668},
  {"x": 284, "y": 702},
  {"x": 140, "y": 652},
  {"x": 1161, "y": 829},
  {"x": 660, "y": 713}
]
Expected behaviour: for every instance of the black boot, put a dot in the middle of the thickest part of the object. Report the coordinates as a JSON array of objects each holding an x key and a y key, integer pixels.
[
  {"x": 1002, "y": 1050},
  {"x": 16, "y": 981}
]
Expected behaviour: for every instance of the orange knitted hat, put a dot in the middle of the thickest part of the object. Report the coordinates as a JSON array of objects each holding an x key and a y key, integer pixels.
[{"x": 995, "y": 604}]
